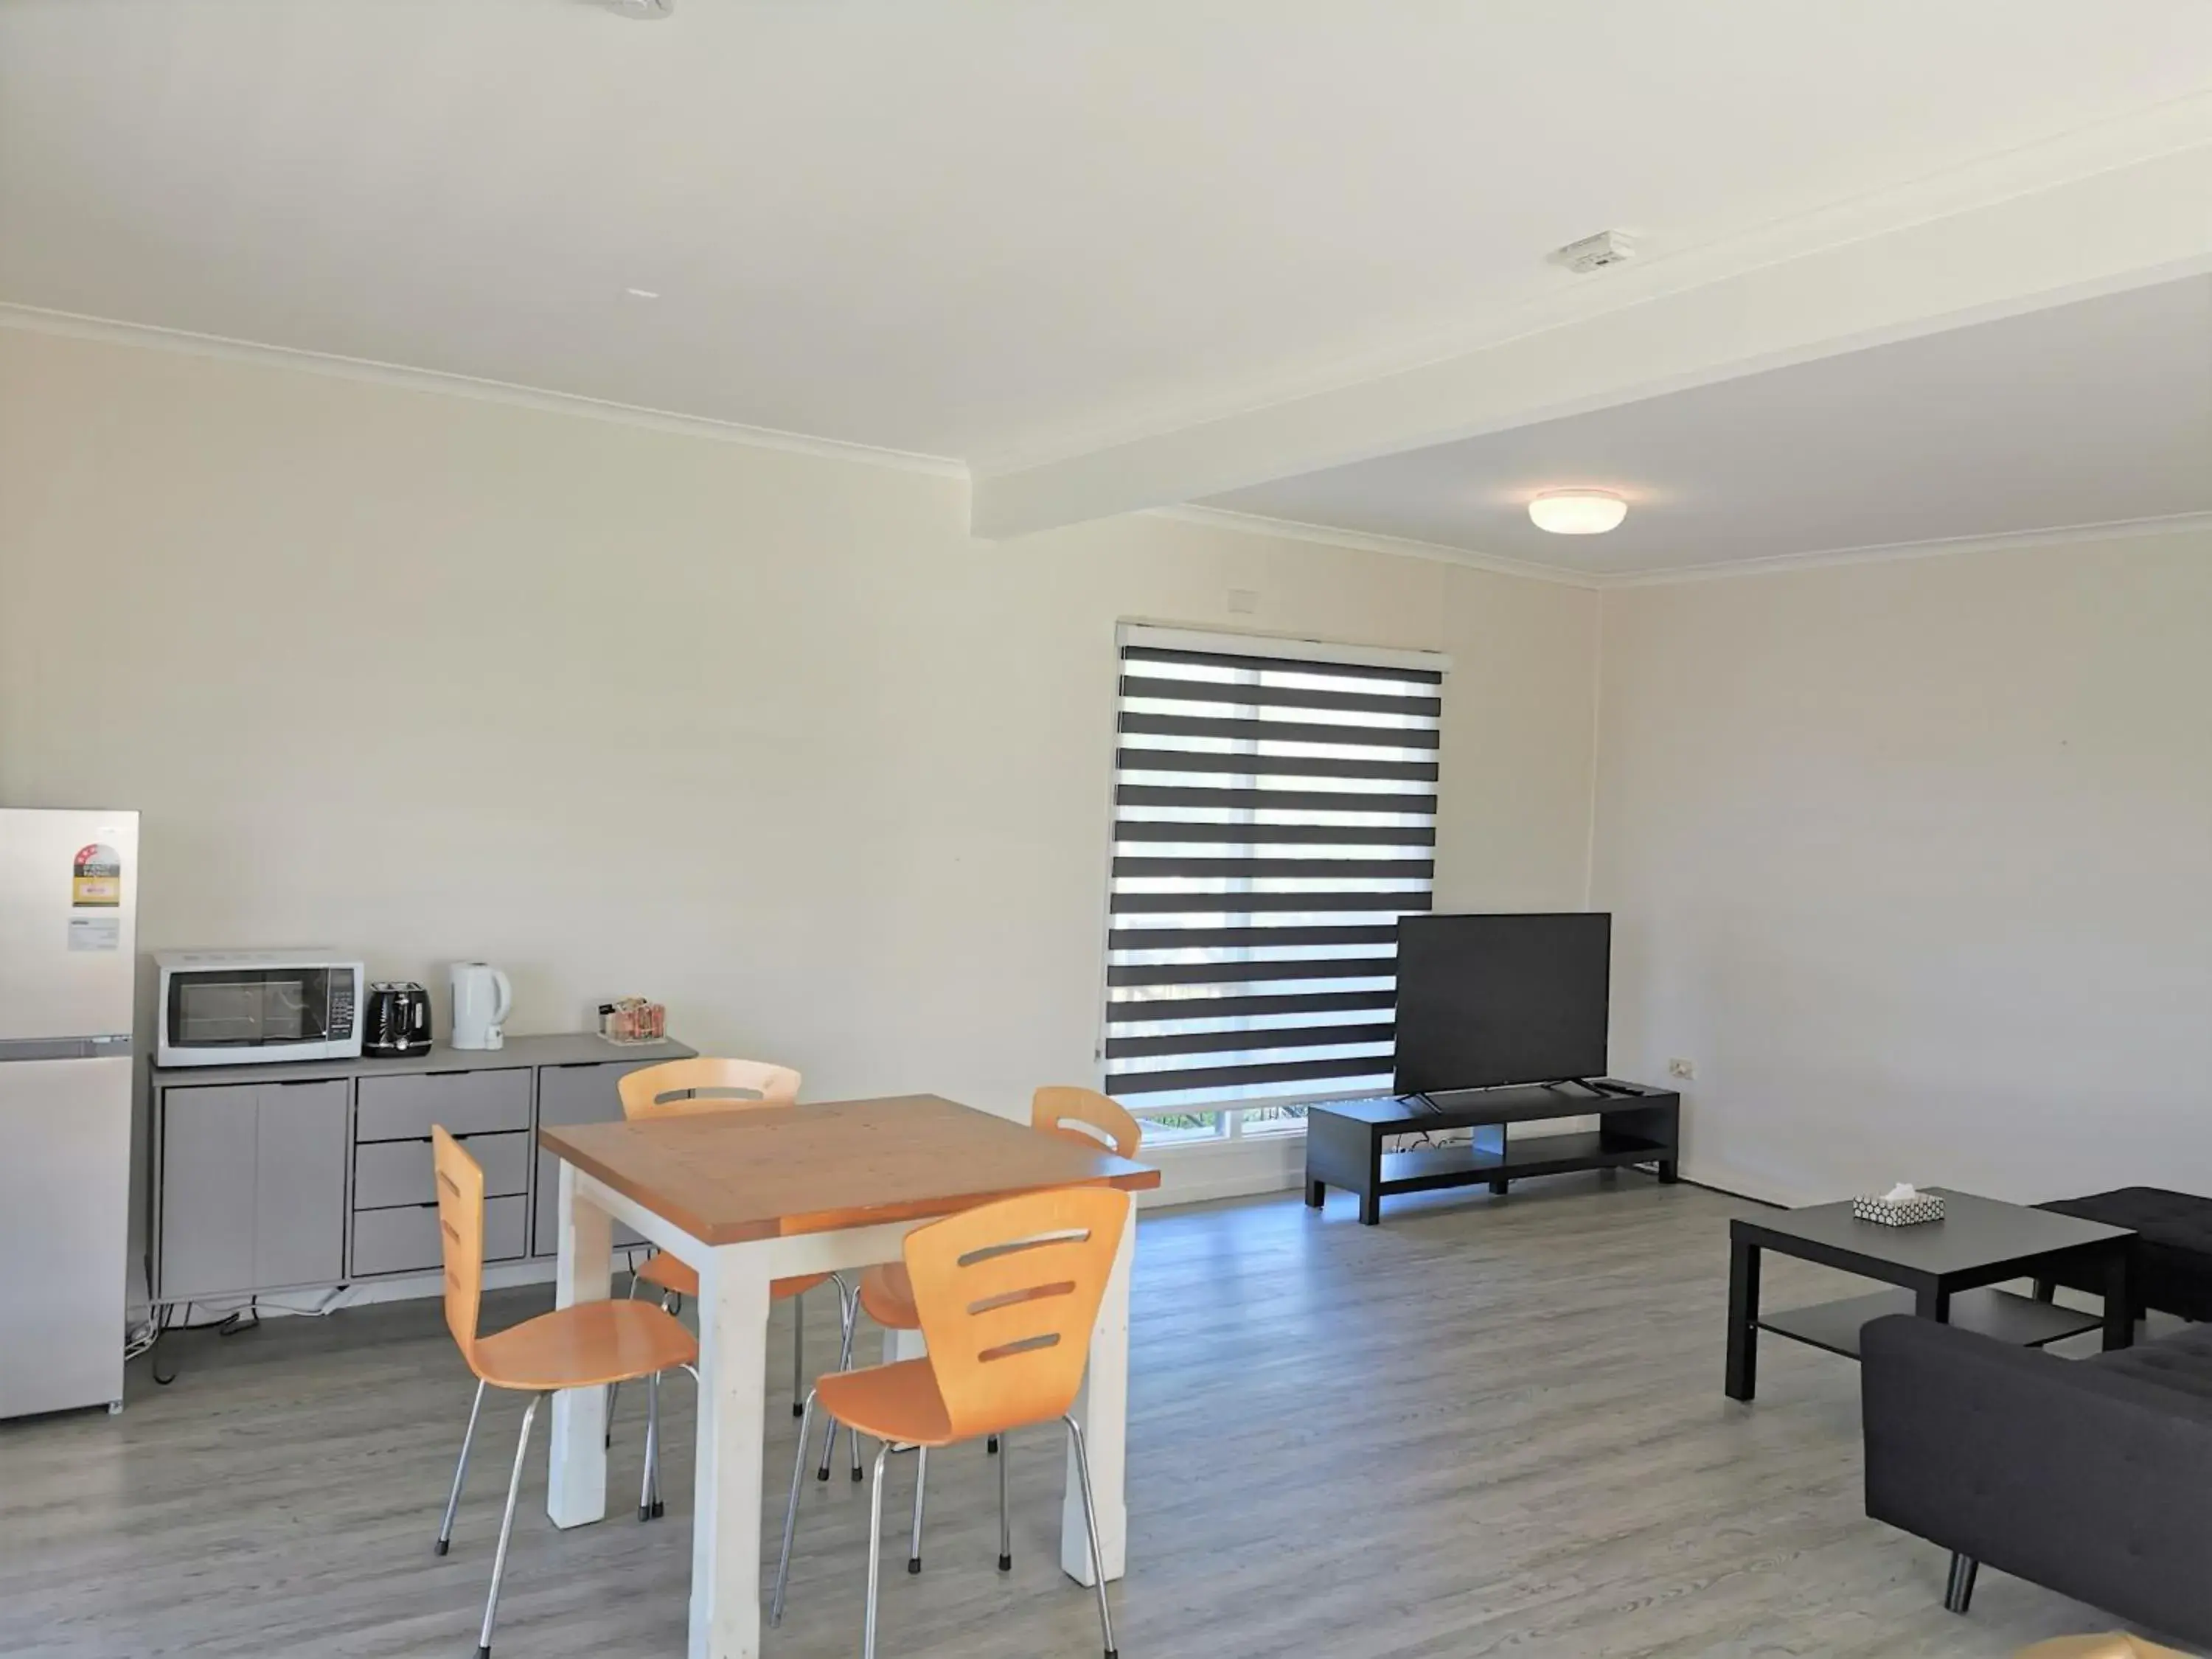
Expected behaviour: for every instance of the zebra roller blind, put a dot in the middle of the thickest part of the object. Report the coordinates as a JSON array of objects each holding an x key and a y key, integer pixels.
[{"x": 1274, "y": 814}]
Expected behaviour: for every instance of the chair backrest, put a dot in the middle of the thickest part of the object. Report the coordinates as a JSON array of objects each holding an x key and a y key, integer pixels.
[
  {"x": 1006, "y": 1294},
  {"x": 705, "y": 1084},
  {"x": 1086, "y": 1115},
  {"x": 460, "y": 1236}
]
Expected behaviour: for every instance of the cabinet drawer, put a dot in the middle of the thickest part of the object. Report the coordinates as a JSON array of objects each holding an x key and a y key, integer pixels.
[
  {"x": 407, "y": 1239},
  {"x": 568, "y": 1095},
  {"x": 394, "y": 1172},
  {"x": 583, "y": 1093},
  {"x": 466, "y": 1103}
]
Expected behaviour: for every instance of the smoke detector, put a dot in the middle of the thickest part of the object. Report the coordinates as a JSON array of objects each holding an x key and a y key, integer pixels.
[
  {"x": 641, "y": 8},
  {"x": 1607, "y": 247}
]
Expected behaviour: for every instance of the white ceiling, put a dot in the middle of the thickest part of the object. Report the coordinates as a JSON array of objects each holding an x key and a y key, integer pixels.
[
  {"x": 2087, "y": 413},
  {"x": 989, "y": 227}
]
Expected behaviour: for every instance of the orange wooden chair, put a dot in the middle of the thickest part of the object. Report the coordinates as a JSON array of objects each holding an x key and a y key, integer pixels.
[
  {"x": 1058, "y": 1108},
  {"x": 1006, "y": 1294},
  {"x": 584, "y": 1347},
  {"x": 707, "y": 1084}
]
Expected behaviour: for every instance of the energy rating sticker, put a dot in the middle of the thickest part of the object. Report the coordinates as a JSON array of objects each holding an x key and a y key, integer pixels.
[{"x": 96, "y": 879}]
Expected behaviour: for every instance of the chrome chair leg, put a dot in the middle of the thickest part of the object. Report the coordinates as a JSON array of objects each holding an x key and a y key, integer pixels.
[
  {"x": 791, "y": 1513},
  {"x": 460, "y": 1473},
  {"x": 506, "y": 1525},
  {"x": 655, "y": 1465},
  {"x": 614, "y": 1390},
  {"x": 798, "y": 1354},
  {"x": 648, "y": 1494},
  {"x": 1091, "y": 1525},
  {"x": 850, "y": 1299},
  {"x": 1005, "y": 1526},
  {"x": 921, "y": 1488},
  {"x": 875, "y": 1550},
  {"x": 853, "y": 1435}
]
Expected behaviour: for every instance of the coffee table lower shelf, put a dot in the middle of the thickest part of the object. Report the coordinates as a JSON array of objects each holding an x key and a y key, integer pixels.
[{"x": 2018, "y": 1319}]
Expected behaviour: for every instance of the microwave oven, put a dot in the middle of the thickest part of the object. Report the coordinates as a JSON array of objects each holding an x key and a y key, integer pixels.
[{"x": 235, "y": 1007}]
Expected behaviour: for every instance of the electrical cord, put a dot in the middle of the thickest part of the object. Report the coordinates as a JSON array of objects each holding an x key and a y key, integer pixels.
[
  {"x": 231, "y": 1321},
  {"x": 229, "y": 1324}
]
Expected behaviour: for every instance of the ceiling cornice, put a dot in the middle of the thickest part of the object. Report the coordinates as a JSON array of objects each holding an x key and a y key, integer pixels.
[
  {"x": 37, "y": 321},
  {"x": 1890, "y": 552},
  {"x": 1254, "y": 524},
  {"x": 1773, "y": 564}
]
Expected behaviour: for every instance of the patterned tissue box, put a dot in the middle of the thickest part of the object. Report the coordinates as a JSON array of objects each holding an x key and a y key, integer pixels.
[{"x": 1921, "y": 1206}]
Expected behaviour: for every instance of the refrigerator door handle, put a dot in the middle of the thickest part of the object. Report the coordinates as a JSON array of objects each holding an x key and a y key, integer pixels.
[{"x": 111, "y": 1046}]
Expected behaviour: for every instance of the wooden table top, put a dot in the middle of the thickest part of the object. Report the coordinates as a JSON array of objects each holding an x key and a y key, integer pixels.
[{"x": 770, "y": 1172}]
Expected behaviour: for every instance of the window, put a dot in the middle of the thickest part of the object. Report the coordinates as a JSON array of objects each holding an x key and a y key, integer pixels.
[{"x": 1274, "y": 813}]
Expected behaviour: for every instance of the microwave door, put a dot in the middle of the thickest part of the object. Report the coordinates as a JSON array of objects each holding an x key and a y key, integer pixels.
[
  {"x": 249, "y": 1008},
  {"x": 216, "y": 1010},
  {"x": 285, "y": 1012}
]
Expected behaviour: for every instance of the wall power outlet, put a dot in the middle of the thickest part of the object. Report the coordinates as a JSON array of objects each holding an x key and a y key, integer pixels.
[{"x": 1683, "y": 1070}]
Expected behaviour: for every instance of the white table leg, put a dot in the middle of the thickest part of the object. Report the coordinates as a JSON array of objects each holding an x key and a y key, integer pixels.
[
  {"x": 726, "y": 1533},
  {"x": 576, "y": 1476},
  {"x": 1103, "y": 1409}
]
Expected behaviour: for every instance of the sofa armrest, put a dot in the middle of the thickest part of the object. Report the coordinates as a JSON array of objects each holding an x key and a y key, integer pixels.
[{"x": 2086, "y": 1480}]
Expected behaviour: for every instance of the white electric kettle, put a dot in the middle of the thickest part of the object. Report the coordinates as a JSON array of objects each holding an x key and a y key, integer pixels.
[{"x": 481, "y": 1000}]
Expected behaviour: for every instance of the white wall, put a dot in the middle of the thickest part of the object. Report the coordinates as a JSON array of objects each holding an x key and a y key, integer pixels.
[
  {"x": 765, "y": 735},
  {"x": 1914, "y": 859}
]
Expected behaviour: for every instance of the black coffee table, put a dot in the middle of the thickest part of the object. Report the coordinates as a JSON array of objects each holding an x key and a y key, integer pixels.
[{"x": 1942, "y": 1267}]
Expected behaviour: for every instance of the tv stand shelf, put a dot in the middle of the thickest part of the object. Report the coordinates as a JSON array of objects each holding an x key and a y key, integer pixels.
[{"x": 1345, "y": 1139}]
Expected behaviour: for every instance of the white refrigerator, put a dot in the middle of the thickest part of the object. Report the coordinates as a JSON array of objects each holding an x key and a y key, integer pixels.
[{"x": 68, "y": 911}]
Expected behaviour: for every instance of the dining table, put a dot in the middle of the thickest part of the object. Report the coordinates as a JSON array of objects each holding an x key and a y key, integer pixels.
[{"x": 755, "y": 1194}]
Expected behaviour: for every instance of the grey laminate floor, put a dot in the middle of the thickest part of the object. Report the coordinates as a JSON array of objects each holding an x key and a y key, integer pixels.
[{"x": 1487, "y": 1428}]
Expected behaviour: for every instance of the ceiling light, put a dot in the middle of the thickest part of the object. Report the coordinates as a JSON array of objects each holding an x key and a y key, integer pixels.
[
  {"x": 642, "y": 293},
  {"x": 1578, "y": 512}
]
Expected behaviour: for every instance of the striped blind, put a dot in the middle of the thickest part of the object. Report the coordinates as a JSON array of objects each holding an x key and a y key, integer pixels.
[{"x": 1274, "y": 816}]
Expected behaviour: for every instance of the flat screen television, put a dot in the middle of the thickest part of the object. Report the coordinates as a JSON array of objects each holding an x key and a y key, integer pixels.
[{"x": 1484, "y": 1001}]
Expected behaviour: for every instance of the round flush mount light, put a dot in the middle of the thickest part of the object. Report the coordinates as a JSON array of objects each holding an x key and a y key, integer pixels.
[{"x": 1578, "y": 512}]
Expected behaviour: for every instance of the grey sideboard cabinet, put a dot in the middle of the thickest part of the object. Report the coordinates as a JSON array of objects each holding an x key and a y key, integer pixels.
[{"x": 313, "y": 1175}]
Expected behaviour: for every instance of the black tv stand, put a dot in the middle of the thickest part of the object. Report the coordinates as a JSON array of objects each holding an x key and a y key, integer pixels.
[{"x": 1345, "y": 1138}]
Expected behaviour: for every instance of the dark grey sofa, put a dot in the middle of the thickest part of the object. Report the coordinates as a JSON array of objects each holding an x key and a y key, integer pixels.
[{"x": 2092, "y": 1477}]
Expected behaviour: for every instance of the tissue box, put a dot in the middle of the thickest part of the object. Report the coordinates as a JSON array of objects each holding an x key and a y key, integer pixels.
[{"x": 1922, "y": 1207}]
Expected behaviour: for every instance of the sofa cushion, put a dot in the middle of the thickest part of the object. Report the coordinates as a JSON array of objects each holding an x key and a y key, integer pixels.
[
  {"x": 2182, "y": 1361},
  {"x": 2174, "y": 1249}
]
